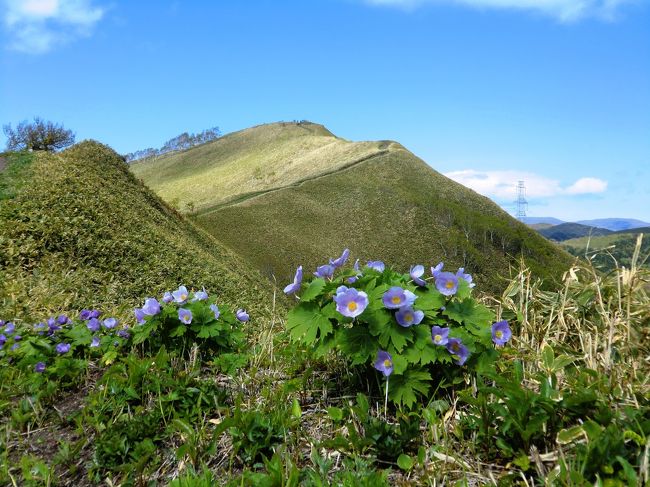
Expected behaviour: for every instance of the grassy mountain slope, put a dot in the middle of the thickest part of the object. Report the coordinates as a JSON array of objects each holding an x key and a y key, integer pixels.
[
  {"x": 386, "y": 204},
  {"x": 249, "y": 161},
  {"x": 565, "y": 231},
  {"x": 81, "y": 231},
  {"x": 619, "y": 244}
]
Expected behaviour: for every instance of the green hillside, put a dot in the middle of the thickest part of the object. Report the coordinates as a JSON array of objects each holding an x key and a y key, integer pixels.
[
  {"x": 325, "y": 194},
  {"x": 249, "y": 161},
  {"x": 78, "y": 230},
  {"x": 619, "y": 244},
  {"x": 566, "y": 231}
]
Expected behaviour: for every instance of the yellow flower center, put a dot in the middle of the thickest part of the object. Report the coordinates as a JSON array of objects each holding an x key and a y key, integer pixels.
[
  {"x": 396, "y": 299},
  {"x": 455, "y": 346},
  {"x": 388, "y": 363},
  {"x": 352, "y": 306},
  {"x": 449, "y": 285},
  {"x": 408, "y": 317},
  {"x": 183, "y": 297},
  {"x": 437, "y": 338},
  {"x": 499, "y": 334}
]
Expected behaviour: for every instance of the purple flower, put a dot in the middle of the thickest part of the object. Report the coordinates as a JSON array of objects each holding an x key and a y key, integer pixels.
[
  {"x": 39, "y": 367},
  {"x": 10, "y": 328},
  {"x": 294, "y": 287},
  {"x": 139, "y": 316},
  {"x": 446, "y": 283},
  {"x": 501, "y": 332},
  {"x": 455, "y": 347},
  {"x": 350, "y": 302},
  {"x": 200, "y": 296},
  {"x": 215, "y": 310},
  {"x": 396, "y": 297},
  {"x": 406, "y": 316},
  {"x": 324, "y": 271},
  {"x": 341, "y": 260},
  {"x": 417, "y": 272},
  {"x": 440, "y": 336},
  {"x": 461, "y": 275},
  {"x": 354, "y": 279},
  {"x": 15, "y": 346},
  {"x": 17, "y": 338},
  {"x": 53, "y": 327},
  {"x": 185, "y": 315},
  {"x": 384, "y": 363},
  {"x": 109, "y": 323},
  {"x": 84, "y": 315},
  {"x": 62, "y": 348},
  {"x": 94, "y": 343},
  {"x": 377, "y": 265},
  {"x": 93, "y": 324},
  {"x": 180, "y": 295},
  {"x": 3, "y": 340},
  {"x": 123, "y": 333},
  {"x": 95, "y": 313},
  {"x": 151, "y": 307},
  {"x": 437, "y": 269},
  {"x": 62, "y": 320},
  {"x": 39, "y": 327},
  {"x": 242, "y": 315},
  {"x": 167, "y": 297}
]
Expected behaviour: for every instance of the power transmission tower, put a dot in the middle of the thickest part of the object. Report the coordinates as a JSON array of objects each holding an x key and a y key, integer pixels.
[{"x": 522, "y": 204}]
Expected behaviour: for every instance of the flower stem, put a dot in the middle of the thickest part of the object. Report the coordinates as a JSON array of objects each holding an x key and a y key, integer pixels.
[{"x": 386, "y": 401}]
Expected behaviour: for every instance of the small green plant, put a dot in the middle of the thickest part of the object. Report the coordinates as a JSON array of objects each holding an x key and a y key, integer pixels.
[
  {"x": 366, "y": 433},
  {"x": 180, "y": 322},
  {"x": 403, "y": 324}
]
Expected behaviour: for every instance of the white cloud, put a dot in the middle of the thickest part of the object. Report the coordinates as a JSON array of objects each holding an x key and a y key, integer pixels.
[
  {"x": 563, "y": 10},
  {"x": 502, "y": 185},
  {"x": 587, "y": 185},
  {"x": 37, "y": 26}
]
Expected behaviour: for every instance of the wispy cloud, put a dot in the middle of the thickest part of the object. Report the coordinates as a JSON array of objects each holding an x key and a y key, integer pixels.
[
  {"x": 502, "y": 185},
  {"x": 562, "y": 10},
  {"x": 37, "y": 26}
]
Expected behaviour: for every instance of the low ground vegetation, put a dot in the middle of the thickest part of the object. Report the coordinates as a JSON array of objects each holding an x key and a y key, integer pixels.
[{"x": 543, "y": 387}]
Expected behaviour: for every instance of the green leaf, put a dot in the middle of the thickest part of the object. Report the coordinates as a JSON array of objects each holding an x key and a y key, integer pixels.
[
  {"x": 313, "y": 290},
  {"x": 400, "y": 363},
  {"x": 405, "y": 462},
  {"x": 397, "y": 335},
  {"x": 306, "y": 322},
  {"x": 183, "y": 427},
  {"x": 208, "y": 331},
  {"x": 375, "y": 295},
  {"x": 429, "y": 299},
  {"x": 402, "y": 389},
  {"x": 178, "y": 331},
  {"x": 378, "y": 320},
  {"x": 568, "y": 435},
  {"x": 336, "y": 414},
  {"x": 296, "y": 411},
  {"x": 469, "y": 312},
  {"x": 357, "y": 343},
  {"x": 141, "y": 333}
]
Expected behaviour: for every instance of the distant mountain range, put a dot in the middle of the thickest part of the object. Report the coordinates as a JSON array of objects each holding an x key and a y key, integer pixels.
[{"x": 613, "y": 224}]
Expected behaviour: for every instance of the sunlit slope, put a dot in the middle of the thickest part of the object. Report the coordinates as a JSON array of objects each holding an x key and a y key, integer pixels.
[
  {"x": 82, "y": 231},
  {"x": 392, "y": 206},
  {"x": 249, "y": 161}
]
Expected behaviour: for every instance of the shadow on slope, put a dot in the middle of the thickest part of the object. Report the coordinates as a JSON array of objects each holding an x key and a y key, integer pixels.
[
  {"x": 83, "y": 231},
  {"x": 392, "y": 207}
]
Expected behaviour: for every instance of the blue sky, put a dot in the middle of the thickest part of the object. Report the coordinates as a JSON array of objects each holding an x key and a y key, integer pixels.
[{"x": 555, "y": 92}]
